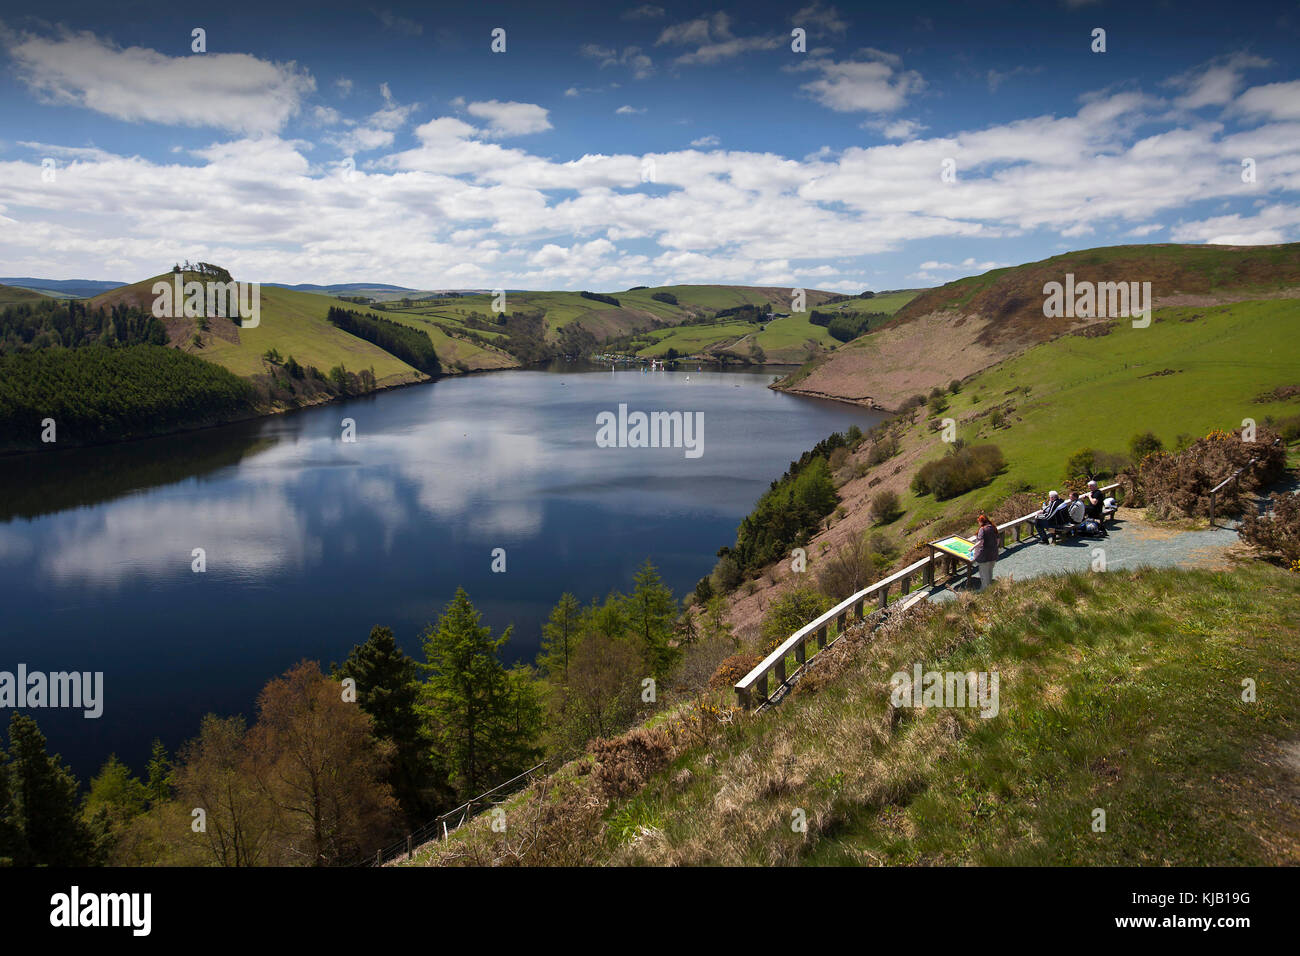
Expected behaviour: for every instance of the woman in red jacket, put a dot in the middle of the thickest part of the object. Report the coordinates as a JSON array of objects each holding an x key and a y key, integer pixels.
[{"x": 985, "y": 551}]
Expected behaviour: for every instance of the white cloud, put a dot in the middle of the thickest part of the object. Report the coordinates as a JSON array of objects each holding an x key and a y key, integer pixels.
[
  {"x": 632, "y": 58},
  {"x": 819, "y": 20},
  {"x": 510, "y": 118},
  {"x": 1215, "y": 83},
  {"x": 1273, "y": 224},
  {"x": 1276, "y": 100},
  {"x": 646, "y": 11},
  {"x": 875, "y": 84},
  {"x": 713, "y": 40},
  {"x": 628, "y": 110},
  {"x": 231, "y": 91},
  {"x": 705, "y": 142}
]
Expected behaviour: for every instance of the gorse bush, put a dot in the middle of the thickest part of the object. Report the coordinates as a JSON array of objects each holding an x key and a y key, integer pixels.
[
  {"x": 1277, "y": 532},
  {"x": 1143, "y": 444},
  {"x": 1177, "y": 484},
  {"x": 957, "y": 473}
]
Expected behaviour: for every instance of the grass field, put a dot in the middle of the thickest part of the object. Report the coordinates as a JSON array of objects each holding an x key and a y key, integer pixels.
[{"x": 1192, "y": 370}]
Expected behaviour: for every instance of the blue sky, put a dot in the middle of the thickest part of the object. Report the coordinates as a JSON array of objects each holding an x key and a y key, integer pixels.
[{"x": 620, "y": 144}]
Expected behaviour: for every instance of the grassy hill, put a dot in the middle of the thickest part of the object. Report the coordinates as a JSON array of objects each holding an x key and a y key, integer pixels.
[
  {"x": 1119, "y": 691},
  {"x": 294, "y": 323},
  {"x": 13, "y": 295},
  {"x": 965, "y": 326},
  {"x": 784, "y": 340}
]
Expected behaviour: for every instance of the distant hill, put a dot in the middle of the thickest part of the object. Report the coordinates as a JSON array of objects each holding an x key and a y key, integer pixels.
[
  {"x": 963, "y": 327},
  {"x": 13, "y": 295},
  {"x": 341, "y": 287},
  {"x": 79, "y": 288}
]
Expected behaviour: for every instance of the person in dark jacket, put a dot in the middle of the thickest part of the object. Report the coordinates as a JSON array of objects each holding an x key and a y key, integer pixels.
[
  {"x": 985, "y": 551},
  {"x": 1052, "y": 515},
  {"x": 1093, "y": 501}
]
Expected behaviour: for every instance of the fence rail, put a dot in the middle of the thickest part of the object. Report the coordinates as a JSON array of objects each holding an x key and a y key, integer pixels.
[
  {"x": 751, "y": 690},
  {"x": 438, "y": 825},
  {"x": 1235, "y": 476}
]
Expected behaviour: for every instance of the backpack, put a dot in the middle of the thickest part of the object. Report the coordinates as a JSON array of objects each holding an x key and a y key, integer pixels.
[{"x": 1090, "y": 527}]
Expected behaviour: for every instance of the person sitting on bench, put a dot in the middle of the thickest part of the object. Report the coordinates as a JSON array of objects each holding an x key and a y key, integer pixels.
[
  {"x": 1052, "y": 515},
  {"x": 1093, "y": 501}
]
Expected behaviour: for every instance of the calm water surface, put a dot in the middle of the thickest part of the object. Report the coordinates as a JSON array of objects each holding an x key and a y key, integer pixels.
[{"x": 310, "y": 541}]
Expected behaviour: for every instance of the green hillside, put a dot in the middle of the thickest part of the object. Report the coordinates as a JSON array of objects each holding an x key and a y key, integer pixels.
[
  {"x": 1192, "y": 370},
  {"x": 12, "y": 295},
  {"x": 783, "y": 340}
]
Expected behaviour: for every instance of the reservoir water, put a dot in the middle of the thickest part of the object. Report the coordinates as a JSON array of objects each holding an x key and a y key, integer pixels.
[{"x": 309, "y": 540}]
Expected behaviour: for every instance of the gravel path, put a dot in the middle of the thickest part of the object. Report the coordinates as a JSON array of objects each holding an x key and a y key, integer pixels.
[{"x": 1132, "y": 543}]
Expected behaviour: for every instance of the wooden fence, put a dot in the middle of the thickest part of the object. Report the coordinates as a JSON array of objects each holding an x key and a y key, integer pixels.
[{"x": 752, "y": 689}]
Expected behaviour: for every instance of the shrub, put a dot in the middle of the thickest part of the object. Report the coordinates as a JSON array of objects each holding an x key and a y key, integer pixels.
[
  {"x": 790, "y": 612},
  {"x": 996, "y": 418},
  {"x": 855, "y": 565},
  {"x": 733, "y": 669},
  {"x": 1143, "y": 444},
  {"x": 959, "y": 472},
  {"x": 1277, "y": 533},
  {"x": 1177, "y": 485},
  {"x": 838, "y": 459},
  {"x": 954, "y": 386},
  {"x": 703, "y": 590},
  {"x": 938, "y": 404},
  {"x": 624, "y": 764},
  {"x": 726, "y": 575},
  {"x": 667, "y": 297},
  {"x": 885, "y": 507},
  {"x": 884, "y": 449},
  {"x": 1091, "y": 463}
]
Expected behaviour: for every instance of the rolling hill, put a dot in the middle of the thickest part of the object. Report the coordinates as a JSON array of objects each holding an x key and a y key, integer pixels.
[
  {"x": 14, "y": 295},
  {"x": 958, "y": 329}
]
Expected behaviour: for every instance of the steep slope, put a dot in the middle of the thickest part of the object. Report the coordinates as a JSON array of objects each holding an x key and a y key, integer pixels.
[{"x": 960, "y": 328}]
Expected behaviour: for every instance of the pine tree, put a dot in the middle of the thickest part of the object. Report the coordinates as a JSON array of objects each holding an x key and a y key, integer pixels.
[
  {"x": 45, "y": 794},
  {"x": 160, "y": 782},
  {"x": 476, "y": 715},
  {"x": 651, "y": 611},
  {"x": 559, "y": 637},
  {"x": 388, "y": 689},
  {"x": 13, "y": 846}
]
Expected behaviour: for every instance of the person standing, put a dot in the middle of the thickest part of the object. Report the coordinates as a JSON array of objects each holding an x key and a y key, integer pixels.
[{"x": 985, "y": 552}]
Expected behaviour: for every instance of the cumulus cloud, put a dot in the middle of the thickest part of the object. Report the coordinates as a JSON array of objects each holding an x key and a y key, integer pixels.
[
  {"x": 1215, "y": 83},
  {"x": 459, "y": 208},
  {"x": 510, "y": 118},
  {"x": 230, "y": 91},
  {"x": 705, "y": 142},
  {"x": 629, "y": 110},
  {"x": 1275, "y": 100},
  {"x": 874, "y": 83}
]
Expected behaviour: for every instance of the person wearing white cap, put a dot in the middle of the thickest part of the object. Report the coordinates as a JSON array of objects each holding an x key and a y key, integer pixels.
[{"x": 1050, "y": 516}]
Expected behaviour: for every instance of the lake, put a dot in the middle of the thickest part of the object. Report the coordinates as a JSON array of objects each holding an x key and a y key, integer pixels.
[{"x": 309, "y": 540}]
